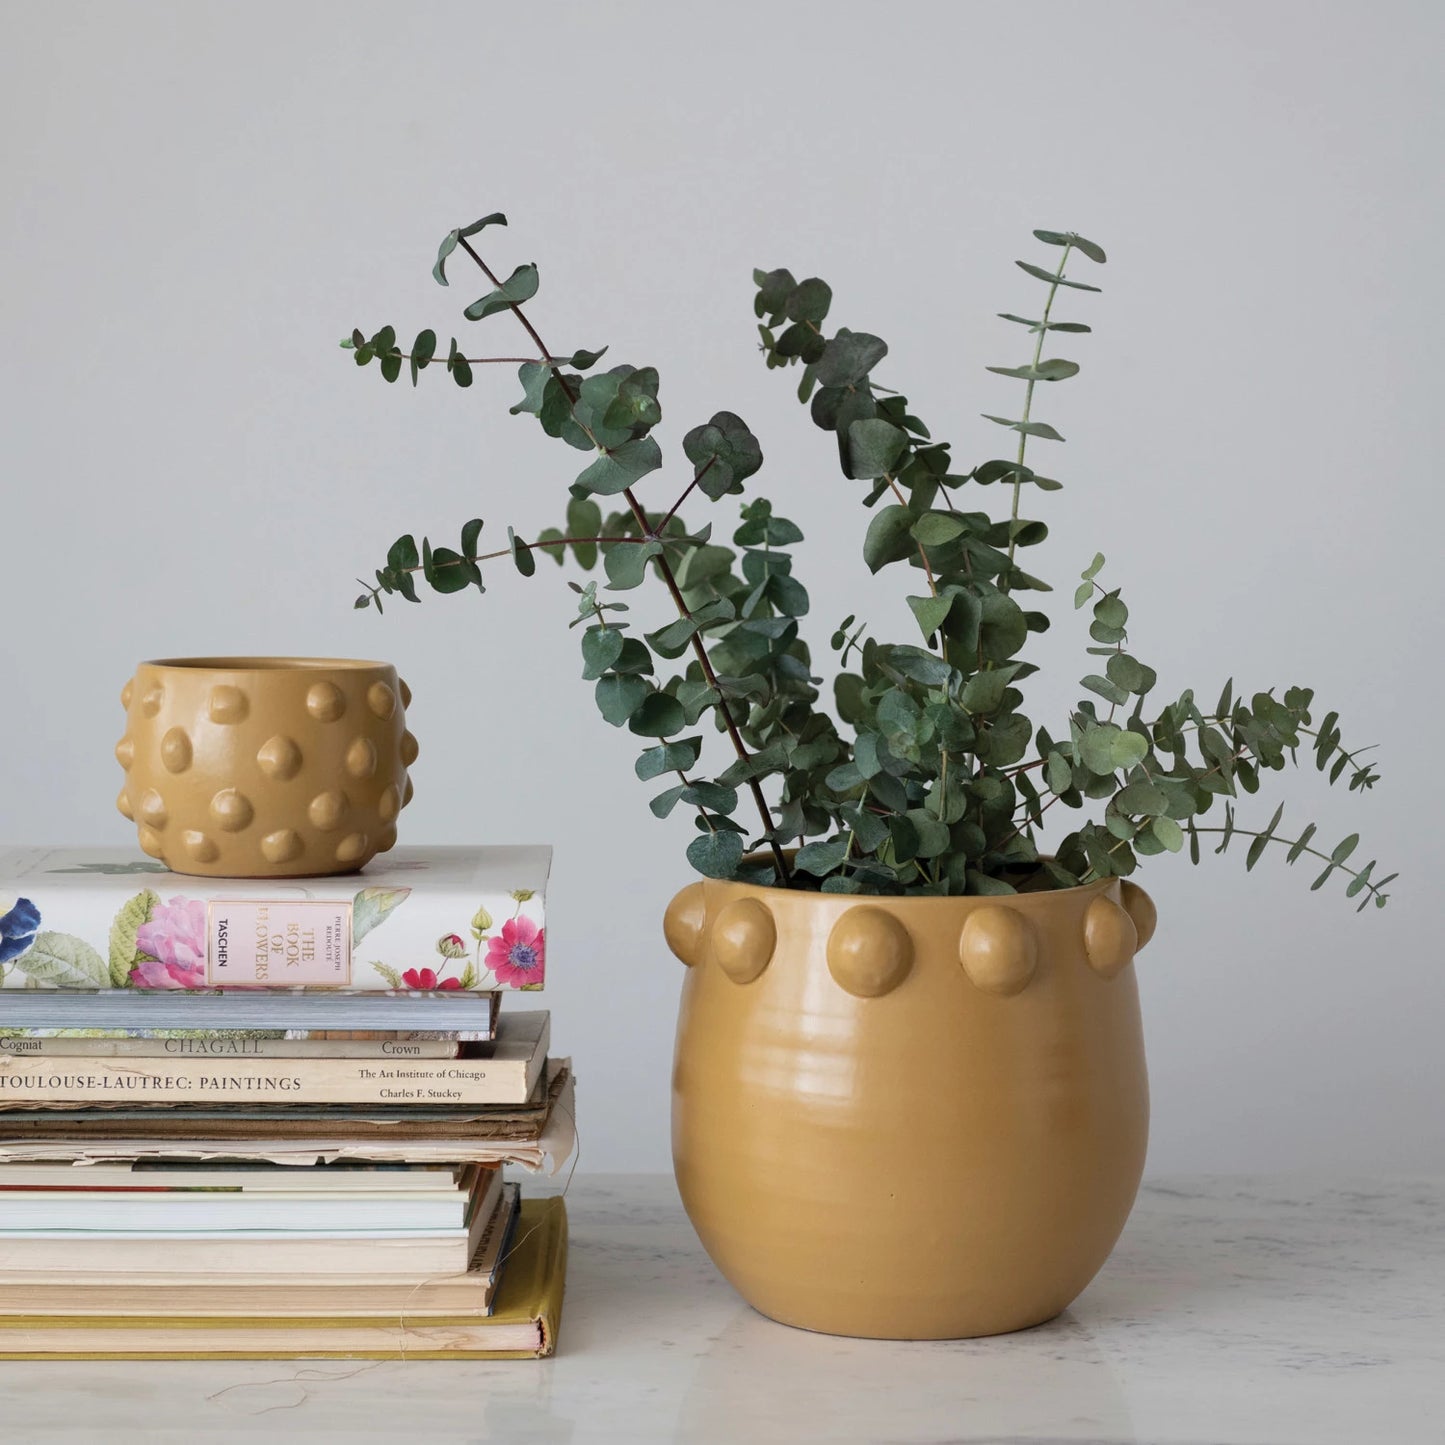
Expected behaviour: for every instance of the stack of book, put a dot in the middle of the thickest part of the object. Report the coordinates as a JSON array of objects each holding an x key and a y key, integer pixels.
[{"x": 245, "y": 1118}]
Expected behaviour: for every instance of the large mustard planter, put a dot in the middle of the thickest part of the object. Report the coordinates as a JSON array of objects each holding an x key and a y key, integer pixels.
[
  {"x": 909, "y": 1118},
  {"x": 265, "y": 767}
]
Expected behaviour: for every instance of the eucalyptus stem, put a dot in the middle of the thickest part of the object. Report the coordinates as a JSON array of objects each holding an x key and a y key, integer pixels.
[
  {"x": 942, "y": 640},
  {"x": 668, "y": 577},
  {"x": 1369, "y": 885},
  {"x": 729, "y": 722},
  {"x": 490, "y": 360},
  {"x": 922, "y": 550},
  {"x": 529, "y": 547},
  {"x": 1028, "y": 407},
  {"x": 517, "y": 311},
  {"x": 672, "y": 511}
]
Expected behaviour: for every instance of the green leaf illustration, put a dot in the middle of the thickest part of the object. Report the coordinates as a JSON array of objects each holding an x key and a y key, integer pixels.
[
  {"x": 392, "y": 977},
  {"x": 123, "y": 948},
  {"x": 372, "y": 907},
  {"x": 63, "y": 961}
]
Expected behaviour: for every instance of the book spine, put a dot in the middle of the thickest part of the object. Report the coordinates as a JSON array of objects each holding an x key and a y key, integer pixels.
[
  {"x": 19, "y": 1036},
  {"x": 293, "y": 1013},
  {"x": 229, "y": 1048},
  {"x": 262, "y": 1081}
]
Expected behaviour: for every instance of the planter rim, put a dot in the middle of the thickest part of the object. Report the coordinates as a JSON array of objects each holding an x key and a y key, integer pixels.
[
  {"x": 1042, "y": 898},
  {"x": 263, "y": 664}
]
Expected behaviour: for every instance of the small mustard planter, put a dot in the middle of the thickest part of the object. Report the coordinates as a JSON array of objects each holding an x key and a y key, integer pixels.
[
  {"x": 909, "y": 1118},
  {"x": 265, "y": 767}
]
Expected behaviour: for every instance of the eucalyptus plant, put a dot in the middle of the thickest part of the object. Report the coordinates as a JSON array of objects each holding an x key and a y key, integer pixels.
[{"x": 938, "y": 782}]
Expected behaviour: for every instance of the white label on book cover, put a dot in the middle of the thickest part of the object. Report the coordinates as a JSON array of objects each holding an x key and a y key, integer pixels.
[{"x": 268, "y": 944}]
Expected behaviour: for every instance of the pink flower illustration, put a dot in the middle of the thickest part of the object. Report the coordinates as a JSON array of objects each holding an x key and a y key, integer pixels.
[
  {"x": 175, "y": 938},
  {"x": 450, "y": 945},
  {"x": 425, "y": 978},
  {"x": 519, "y": 954}
]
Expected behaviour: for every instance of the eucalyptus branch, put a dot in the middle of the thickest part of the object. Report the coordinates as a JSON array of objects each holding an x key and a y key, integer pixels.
[
  {"x": 668, "y": 576},
  {"x": 1360, "y": 878},
  {"x": 516, "y": 309},
  {"x": 706, "y": 467},
  {"x": 729, "y": 722},
  {"x": 930, "y": 792},
  {"x": 1024, "y": 768},
  {"x": 1029, "y": 822},
  {"x": 538, "y": 545},
  {"x": 423, "y": 360},
  {"x": 1018, "y": 484}
]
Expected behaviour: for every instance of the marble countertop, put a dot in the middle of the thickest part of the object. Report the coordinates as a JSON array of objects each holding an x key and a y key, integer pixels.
[{"x": 1234, "y": 1312}]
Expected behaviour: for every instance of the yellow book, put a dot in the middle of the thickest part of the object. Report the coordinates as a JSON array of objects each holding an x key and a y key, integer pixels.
[{"x": 523, "y": 1326}]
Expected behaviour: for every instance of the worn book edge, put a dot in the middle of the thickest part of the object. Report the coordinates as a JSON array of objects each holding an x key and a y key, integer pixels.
[{"x": 530, "y": 1295}]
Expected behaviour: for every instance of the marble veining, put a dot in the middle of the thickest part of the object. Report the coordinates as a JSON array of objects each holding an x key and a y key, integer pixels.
[{"x": 1234, "y": 1312}]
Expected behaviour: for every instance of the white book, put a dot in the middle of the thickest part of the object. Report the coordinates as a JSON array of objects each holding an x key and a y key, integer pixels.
[
  {"x": 200, "y": 1212},
  {"x": 448, "y": 919},
  {"x": 249, "y": 1176},
  {"x": 70, "y": 1294},
  {"x": 257, "y": 1254}
]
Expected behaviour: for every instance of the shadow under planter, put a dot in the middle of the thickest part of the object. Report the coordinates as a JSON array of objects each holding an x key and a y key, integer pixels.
[
  {"x": 909, "y": 1118},
  {"x": 265, "y": 767}
]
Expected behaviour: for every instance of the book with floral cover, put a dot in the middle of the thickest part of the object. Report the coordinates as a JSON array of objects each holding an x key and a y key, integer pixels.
[{"x": 423, "y": 919}]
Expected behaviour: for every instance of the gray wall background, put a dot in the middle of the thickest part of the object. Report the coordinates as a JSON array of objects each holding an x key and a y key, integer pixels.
[{"x": 201, "y": 198}]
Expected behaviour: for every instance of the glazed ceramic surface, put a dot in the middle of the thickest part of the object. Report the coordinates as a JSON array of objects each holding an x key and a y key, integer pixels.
[
  {"x": 265, "y": 767},
  {"x": 909, "y": 1118}
]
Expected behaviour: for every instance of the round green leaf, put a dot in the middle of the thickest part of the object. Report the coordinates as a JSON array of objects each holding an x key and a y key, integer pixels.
[
  {"x": 1141, "y": 798},
  {"x": 1128, "y": 749},
  {"x": 716, "y": 855},
  {"x": 451, "y": 572},
  {"x": 848, "y": 358},
  {"x": 1059, "y": 773},
  {"x": 601, "y": 647},
  {"x": 616, "y": 470},
  {"x": 618, "y": 697},
  {"x": 1110, "y": 611},
  {"x": 626, "y": 564},
  {"x": 522, "y": 556},
  {"x": 874, "y": 447},
  {"x": 634, "y": 657},
  {"x": 1125, "y": 672},
  {"x": 809, "y": 301},
  {"x": 717, "y": 797},
  {"x": 520, "y": 286},
  {"x": 821, "y": 858},
  {"x": 676, "y": 756},
  {"x": 888, "y": 538},
  {"x": 1003, "y": 629},
  {"x": 659, "y": 715},
  {"x": 933, "y": 529},
  {"x": 930, "y": 612}
]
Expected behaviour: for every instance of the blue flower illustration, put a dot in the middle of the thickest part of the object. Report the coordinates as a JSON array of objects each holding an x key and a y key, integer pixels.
[{"x": 18, "y": 929}]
